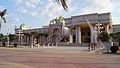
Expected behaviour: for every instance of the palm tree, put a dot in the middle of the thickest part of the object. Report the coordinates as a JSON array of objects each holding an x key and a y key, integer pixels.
[
  {"x": 63, "y": 3},
  {"x": 2, "y": 15},
  {"x": 1, "y": 37},
  {"x": 13, "y": 37}
]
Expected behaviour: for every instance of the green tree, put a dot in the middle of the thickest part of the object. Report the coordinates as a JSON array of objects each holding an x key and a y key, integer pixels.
[
  {"x": 12, "y": 37},
  {"x": 5, "y": 38},
  {"x": 1, "y": 37},
  {"x": 116, "y": 37},
  {"x": 104, "y": 37}
]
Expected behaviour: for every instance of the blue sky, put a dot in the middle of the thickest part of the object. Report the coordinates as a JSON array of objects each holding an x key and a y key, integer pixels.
[{"x": 37, "y": 13}]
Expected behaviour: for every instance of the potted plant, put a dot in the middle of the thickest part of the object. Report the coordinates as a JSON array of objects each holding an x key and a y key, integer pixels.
[
  {"x": 116, "y": 38},
  {"x": 114, "y": 49},
  {"x": 15, "y": 44}
]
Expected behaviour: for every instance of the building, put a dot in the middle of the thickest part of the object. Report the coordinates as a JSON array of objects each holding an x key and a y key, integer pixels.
[
  {"x": 116, "y": 28},
  {"x": 71, "y": 30}
]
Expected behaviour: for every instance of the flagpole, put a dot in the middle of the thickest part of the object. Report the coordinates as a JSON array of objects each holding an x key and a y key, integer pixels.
[{"x": 0, "y": 24}]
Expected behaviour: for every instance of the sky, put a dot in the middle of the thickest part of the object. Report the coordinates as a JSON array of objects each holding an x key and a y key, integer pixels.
[{"x": 38, "y": 13}]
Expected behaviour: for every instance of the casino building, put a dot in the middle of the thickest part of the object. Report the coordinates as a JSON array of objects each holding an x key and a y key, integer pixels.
[{"x": 73, "y": 30}]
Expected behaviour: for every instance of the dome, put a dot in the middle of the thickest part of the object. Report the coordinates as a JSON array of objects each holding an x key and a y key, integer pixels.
[
  {"x": 66, "y": 31},
  {"x": 23, "y": 26},
  {"x": 58, "y": 20}
]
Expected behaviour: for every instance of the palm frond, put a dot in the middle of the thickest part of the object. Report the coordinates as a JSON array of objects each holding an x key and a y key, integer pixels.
[
  {"x": 63, "y": 3},
  {"x": 2, "y": 14}
]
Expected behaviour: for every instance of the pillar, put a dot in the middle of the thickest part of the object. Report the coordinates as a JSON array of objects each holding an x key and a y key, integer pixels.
[
  {"x": 107, "y": 29},
  {"x": 71, "y": 37},
  {"x": 32, "y": 41},
  {"x": 27, "y": 40},
  {"x": 78, "y": 35},
  {"x": 21, "y": 40},
  {"x": 91, "y": 36}
]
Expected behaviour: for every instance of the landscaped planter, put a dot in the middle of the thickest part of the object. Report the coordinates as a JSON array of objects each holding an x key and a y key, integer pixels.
[
  {"x": 106, "y": 46},
  {"x": 114, "y": 49},
  {"x": 15, "y": 44}
]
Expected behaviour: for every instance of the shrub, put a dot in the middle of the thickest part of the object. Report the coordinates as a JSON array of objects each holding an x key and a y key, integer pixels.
[
  {"x": 15, "y": 44},
  {"x": 104, "y": 36}
]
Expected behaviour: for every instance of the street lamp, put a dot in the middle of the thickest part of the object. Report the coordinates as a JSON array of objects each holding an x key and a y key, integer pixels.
[
  {"x": 8, "y": 39},
  {"x": 99, "y": 27},
  {"x": 19, "y": 36}
]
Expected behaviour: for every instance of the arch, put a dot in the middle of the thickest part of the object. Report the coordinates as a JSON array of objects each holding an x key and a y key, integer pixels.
[{"x": 56, "y": 31}]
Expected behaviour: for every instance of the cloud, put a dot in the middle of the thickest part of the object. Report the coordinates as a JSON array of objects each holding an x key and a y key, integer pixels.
[
  {"x": 22, "y": 10},
  {"x": 35, "y": 13},
  {"x": 115, "y": 20},
  {"x": 100, "y": 6},
  {"x": 1, "y": 8},
  {"x": 29, "y": 7},
  {"x": 47, "y": 8},
  {"x": 54, "y": 9},
  {"x": 28, "y": 3},
  {"x": 18, "y": 2},
  {"x": 104, "y": 5}
]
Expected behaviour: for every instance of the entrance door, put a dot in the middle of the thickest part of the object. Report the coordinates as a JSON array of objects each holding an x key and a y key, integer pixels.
[{"x": 85, "y": 34}]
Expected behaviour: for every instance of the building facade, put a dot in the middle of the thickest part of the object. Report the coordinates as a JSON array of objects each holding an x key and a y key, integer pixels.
[
  {"x": 116, "y": 28},
  {"x": 71, "y": 30}
]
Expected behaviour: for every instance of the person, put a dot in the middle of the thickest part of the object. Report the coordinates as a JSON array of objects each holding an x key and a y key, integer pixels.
[{"x": 94, "y": 35}]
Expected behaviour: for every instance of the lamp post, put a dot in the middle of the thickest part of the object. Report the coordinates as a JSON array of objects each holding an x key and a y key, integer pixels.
[
  {"x": 0, "y": 24},
  {"x": 19, "y": 37},
  {"x": 8, "y": 40},
  {"x": 99, "y": 27}
]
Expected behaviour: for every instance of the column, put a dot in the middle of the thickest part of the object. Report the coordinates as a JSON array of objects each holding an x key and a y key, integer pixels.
[
  {"x": 40, "y": 39},
  {"x": 91, "y": 36},
  {"x": 78, "y": 34},
  {"x": 107, "y": 29},
  {"x": 21, "y": 39},
  {"x": 32, "y": 41},
  {"x": 27, "y": 40},
  {"x": 71, "y": 37}
]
